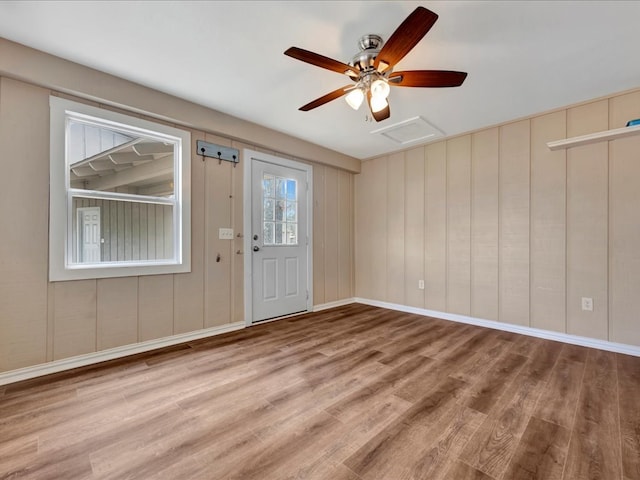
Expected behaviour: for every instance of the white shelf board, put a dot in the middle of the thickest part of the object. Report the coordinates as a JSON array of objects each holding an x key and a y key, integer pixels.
[{"x": 594, "y": 137}]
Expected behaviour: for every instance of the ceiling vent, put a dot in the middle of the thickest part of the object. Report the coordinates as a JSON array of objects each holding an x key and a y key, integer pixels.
[{"x": 416, "y": 129}]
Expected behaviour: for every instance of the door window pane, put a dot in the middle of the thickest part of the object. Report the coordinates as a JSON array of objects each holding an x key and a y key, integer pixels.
[
  {"x": 280, "y": 204},
  {"x": 280, "y": 235},
  {"x": 268, "y": 233},
  {"x": 292, "y": 234},
  {"x": 292, "y": 212},
  {"x": 268, "y": 210},
  {"x": 291, "y": 190},
  {"x": 268, "y": 186},
  {"x": 281, "y": 187}
]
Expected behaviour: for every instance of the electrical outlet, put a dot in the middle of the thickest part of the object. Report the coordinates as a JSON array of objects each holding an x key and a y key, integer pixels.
[
  {"x": 225, "y": 233},
  {"x": 587, "y": 304},
  {"x": 421, "y": 284}
]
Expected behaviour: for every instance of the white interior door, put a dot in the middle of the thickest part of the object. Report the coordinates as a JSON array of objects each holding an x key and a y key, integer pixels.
[
  {"x": 89, "y": 234},
  {"x": 279, "y": 240}
]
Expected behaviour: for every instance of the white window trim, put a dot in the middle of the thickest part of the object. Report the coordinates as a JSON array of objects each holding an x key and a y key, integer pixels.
[{"x": 60, "y": 266}]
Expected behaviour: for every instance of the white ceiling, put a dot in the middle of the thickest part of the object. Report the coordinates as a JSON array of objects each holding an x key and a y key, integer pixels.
[{"x": 523, "y": 57}]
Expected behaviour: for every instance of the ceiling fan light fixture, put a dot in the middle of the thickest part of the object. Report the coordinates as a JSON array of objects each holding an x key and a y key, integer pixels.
[
  {"x": 378, "y": 103},
  {"x": 355, "y": 98},
  {"x": 380, "y": 88}
]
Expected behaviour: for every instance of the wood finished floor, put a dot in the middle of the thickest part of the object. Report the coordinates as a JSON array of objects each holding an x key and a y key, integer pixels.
[{"x": 353, "y": 393}]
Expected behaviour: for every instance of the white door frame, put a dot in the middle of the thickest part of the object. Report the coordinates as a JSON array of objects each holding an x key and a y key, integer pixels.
[{"x": 249, "y": 156}]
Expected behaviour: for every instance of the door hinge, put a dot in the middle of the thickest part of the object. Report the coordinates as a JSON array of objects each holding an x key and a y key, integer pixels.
[{"x": 307, "y": 294}]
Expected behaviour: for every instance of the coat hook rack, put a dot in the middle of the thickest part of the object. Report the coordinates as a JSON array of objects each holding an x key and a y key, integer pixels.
[{"x": 212, "y": 150}]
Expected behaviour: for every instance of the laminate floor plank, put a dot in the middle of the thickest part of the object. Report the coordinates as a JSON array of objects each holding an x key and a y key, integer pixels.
[
  {"x": 453, "y": 336},
  {"x": 575, "y": 353},
  {"x": 526, "y": 346},
  {"x": 61, "y": 415},
  {"x": 407, "y": 372},
  {"x": 350, "y": 393},
  {"x": 437, "y": 372},
  {"x": 77, "y": 424},
  {"x": 629, "y": 390},
  {"x": 543, "y": 360},
  {"x": 383, "y": 456},
  {"x": 141, "y": 450},
  {"x": 412, "y": 343},
  {"x": 461, "y": 471},
  {"x": 450, "y": 435},
  {"x": 286, "y": 451},
  {"x": 451, "y": 362},
  {"x": 541, "y": 453},
  {"x": 12, "y": 405},
  {"x": 594, "y": 449},
  {"x": 485, "y": 393},
  {"x": 18, "y": 452},
  {"x": 356, "y": 428},
  {"x": 310, "y": 394},
  {"x": 472, "y": 368},
  {"x": 559, "y": 400},
  {"x": 481, "y": 341},
  {"x": 76, "y": 467},
  {"x": 492, "y": 446},
  {"x": 494, "y": 443}
]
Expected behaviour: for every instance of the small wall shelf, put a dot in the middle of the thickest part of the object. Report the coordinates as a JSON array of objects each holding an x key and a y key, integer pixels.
[{"x": 594, "y": 137}]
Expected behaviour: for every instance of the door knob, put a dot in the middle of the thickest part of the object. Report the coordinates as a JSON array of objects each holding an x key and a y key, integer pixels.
[{"x": 256, "y": 248}]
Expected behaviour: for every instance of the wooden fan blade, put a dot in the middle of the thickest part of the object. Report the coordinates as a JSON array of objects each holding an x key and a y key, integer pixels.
[
  {"x": 322, "y": 61},
  {"x": 382, "y": 114},
  {"x": 406, "y": 36},
  {"x": 427, "y": 78},
  {"x": 326, "y": 98}
]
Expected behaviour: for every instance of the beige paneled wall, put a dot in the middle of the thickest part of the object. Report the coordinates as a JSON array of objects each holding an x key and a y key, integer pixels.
[
  {"x": 548, "y": 221},
  {"x": 435, "y": 224},
  {"x": 333, "y": 264},
  {"x": 414, "y": 226},
  {"x": 513, "y": 244},
  {"x": 624, "y": 223},
  {"x": 501, "y": 228},
  {"x": 23, "y": 257},
  {"x": 42, "y": 321},
  {"x": 485, "y": 223},
  {"x": 395, "y": 229},
  {"x": 459, "y": 225},
  {"x": 587, "y": 223}
]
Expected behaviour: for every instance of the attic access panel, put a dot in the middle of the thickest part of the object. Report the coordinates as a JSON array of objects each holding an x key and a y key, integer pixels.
[{"x": 413, "y": 130}]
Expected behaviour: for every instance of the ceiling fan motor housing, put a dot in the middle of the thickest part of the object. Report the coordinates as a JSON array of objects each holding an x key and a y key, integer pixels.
[{"x": 370, "y": 46}]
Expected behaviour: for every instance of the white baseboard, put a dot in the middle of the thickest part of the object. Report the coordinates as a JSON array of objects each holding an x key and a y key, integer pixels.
[
  {"x": 532, "y": 332},
  {"x": 112, "y": 353},
  {"x": 337, "y": 303},
  {"x": 119, "y": 352}
]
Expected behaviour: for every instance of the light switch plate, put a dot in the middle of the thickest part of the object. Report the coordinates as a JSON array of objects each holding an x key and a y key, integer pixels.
[{"x": 225, "y": 233}]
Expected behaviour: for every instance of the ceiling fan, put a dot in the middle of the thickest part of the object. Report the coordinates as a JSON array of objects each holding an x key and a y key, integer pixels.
[{"x": 372, "y": 68}]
